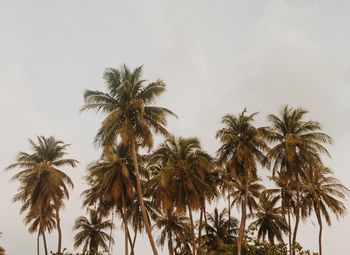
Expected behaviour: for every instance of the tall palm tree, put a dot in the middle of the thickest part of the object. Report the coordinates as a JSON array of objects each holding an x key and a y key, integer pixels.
[
  {"x": 269, "y": 221},
  {"x": 131, "y": 116},
  {"x": 181, "y": 182},
  {"x": 245, "y": 193},
  {"x": 297, "y": 144},
  {"x": 220, "y": 228},
  {"x": 285, "y": 192},
  {"x": 114, "y": 182},
  {"x": 41, "y": 220},
  {"x": 91, "y": 234},
  {"x": 135, "y": 215},
  {"x": 172, "y": 226},
  {"x": 243, "y": 146},
  {"x": 41, "y": 180},
  {"x": 324, "y": 193}
]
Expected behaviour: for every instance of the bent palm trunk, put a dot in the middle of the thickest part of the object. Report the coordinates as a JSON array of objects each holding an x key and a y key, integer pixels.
[
  {"x": 297, "y": 216},
  {"x": 125, "y": 219},
  {"x": 194, "y": 248},
  {"x": 58, "y": 223},
  {"x": 243, "y": 218},
  {"x": 319, "y": 219},
  {"x": 140, "y": 196},
  {"x": 133, "y": 242},
  {"x": 289, "y": 232},
  {"x": 45, "y": 244},
  {"x": 242, "y": 228},
  {"x": 37, "y": 244},
  {"x": 200, "y": 227}
]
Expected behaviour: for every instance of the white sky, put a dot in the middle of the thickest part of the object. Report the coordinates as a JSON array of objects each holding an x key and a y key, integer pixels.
[{"x": 215, "y": 56}]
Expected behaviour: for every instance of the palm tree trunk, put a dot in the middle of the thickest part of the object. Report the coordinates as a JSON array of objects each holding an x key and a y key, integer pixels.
[
  {"x": 130, "y": 243},
  {"x": 140, "y": 195},
  {"x": 243, "y": 218},
  {"x": 200, "y": 225},
  {"x": 205, "y": 219},
  {"x": 229, "y": 205},
  {"x": 125, "y": 220},
  {"x": 45, "y": 244},
  {"x": 297, "y": 216},
  {"x": 229, "y": 211},
  {"x": 133, "y": 242},
  {"x": 58, "y": 224},
  {"x": 37, "y": 244},
  {"x": 194, "y": 249},
  {"x": 319, "y": 219},
  {"x": 289, "y": 232},
  {"x": 111, "y": 232}
]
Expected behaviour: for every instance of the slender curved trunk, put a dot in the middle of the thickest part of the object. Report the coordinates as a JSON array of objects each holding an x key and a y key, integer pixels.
[
  {"x": 194, "y": 248},
  {"x": 242, "y": 227},
  {"x": 243, "y": 218},
  {"x": 229, "y": 211},
  {"x": 319, "y": 219},
  {"x": 200, "y": 227},
  {"x": 45, "y": 244},
  {"x": 289, "y": 232},
  {"x": 140, "y": 196},
  {"x": 58, "y": 224},
  {"x": 38, "y": 244},
  {"x": 111, "y": 232},
  {"x": 205, "y": 219},
  {"x": 125, "y": 221},
  {"x": 133, "y": 242},
  {"x": 229, "y": 208},
  {"x": 297, "y": 216},
  {"x": 130, "y": 243}
]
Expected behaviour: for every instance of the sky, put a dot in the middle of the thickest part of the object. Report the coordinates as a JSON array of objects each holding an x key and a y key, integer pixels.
[{"x": 216, "y": 57}]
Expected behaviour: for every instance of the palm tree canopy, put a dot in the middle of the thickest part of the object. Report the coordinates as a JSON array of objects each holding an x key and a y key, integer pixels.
[
  {"x": 41, "y": 179},
  {"x": 269, "y": 221},
  {"x": 183, "y": 168},
  {"x": 41, "y": 219},
  {"x": 128, "y": 104},
  {"x": 296, "y": 141},
  {"x": 91, "y": 231},
  {"x": 112, "y": 177},
  {"x": 238, "y": 191},
  {"x": 242, "y": 144},
  {"x": 171, "y": 223},
  {"x": 220, "y": 227},
  {"x": 324, "y": 192}
]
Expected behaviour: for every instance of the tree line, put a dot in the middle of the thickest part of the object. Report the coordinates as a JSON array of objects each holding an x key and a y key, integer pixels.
[{"x": 169, "y": 189}]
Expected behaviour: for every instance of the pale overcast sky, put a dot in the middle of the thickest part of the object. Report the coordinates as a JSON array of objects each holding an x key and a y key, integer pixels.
[{"x": 215, "y": 56}]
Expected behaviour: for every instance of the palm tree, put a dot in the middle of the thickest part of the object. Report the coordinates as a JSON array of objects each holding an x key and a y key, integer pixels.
[
  {"x": 244, "y": 194},
  {"x": 91, "y": 233},
  {"x": 172, "y": 226},
  {"x": 114, "y": 182},
  {"x": 181, "y": 181},
  {"x": 41, "y": 220},
  {"x": 324, "y": 192},
  {"x": 131, "y": 116},
  {"x": 297, "y": 144},
  {"x": 242, "y": 148},
  {"x": 41, "y": 180},
  {"x": 135, "y": 215},
  {"x": 269, "y": 221},
  {"x": 285, "y": 191},
  {"x": 220, "y": 228}
]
